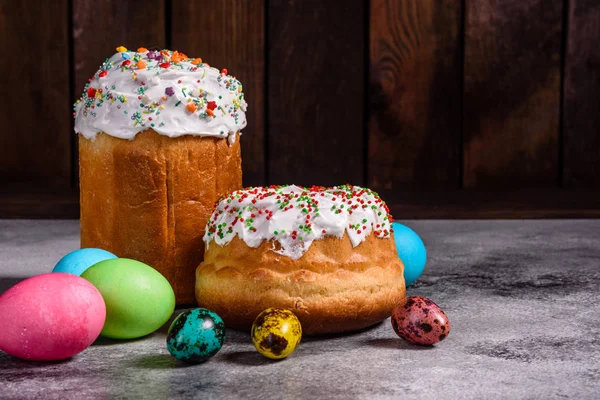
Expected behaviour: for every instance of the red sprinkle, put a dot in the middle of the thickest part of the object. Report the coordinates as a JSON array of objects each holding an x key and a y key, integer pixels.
[
  {"x": 102, "y": 74},
  {"x": 211, "y": 105},
  {"x": 91, "y": 92},
  {"x": 125, "y": 63},
  {"x": 224, "y": 71},
  {"x": 164, "y": 65}
]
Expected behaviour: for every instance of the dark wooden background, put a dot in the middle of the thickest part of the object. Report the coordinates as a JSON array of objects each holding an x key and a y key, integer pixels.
[{"x": 449, "y": 108}]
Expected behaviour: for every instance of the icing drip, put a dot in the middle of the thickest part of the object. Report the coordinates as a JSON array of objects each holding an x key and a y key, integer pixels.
[
  {"x": 294, "y": 216},
  {"x": 161, "y": 90}
]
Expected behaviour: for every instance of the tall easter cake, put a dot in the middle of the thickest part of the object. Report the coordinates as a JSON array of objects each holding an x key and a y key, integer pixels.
[
  {"x": 158, "y": 144},
  {"x": 327, "y": 254}
]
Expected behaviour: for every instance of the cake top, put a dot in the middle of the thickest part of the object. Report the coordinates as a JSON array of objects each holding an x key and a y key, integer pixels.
[
  {"x": 162, "y": 90},
  {"x": 296, "y": 216}
]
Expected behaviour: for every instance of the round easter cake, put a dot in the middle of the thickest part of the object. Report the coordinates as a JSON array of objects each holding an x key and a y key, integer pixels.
[{"x": 327, "y": 254}]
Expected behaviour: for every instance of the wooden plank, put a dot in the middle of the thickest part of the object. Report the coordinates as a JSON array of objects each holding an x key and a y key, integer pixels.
[
  {"x": 35, "y": 145},
  {"x": 316, "y": 53},
  {"x": 581, "y": 118},
  {"x": 409, "y": 204},
  {"x": 492, "y": 204},
  {"x": 511, "y": 93},
  {"x": 99, "y": 27},
  {"x": 28, "y": 201},
  {"x": 415, "y": 91},
  {"x": 232, "y": 36}
]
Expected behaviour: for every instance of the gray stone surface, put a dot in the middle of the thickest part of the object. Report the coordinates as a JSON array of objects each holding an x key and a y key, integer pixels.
[{"x": 522, "y": 298}]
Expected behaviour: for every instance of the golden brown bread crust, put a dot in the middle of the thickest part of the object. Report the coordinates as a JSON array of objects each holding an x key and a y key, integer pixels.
[
  {"x": 332, "y": 288},
  {"x": 149, "y": 198}
]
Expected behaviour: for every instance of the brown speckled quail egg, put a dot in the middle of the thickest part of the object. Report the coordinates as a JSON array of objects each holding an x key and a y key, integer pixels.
[{"x": 419, "y": 320}]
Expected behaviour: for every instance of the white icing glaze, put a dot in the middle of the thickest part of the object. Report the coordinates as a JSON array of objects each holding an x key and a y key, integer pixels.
[
  {"x": 160, "y": 90},
  {"x": 295, "y": 217}
]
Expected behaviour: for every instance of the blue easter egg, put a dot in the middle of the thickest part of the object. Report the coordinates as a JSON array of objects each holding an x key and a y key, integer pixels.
[
  {"x": 411, "y": 251},
  {"x": 195, "y": 335},
  {"x": 76, "y": 262}
]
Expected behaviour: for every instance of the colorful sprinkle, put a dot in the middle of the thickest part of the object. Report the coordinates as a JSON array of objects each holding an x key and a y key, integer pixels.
[
  {"x": 154, "y": 55},
  {"x": 176, "y": 57}
]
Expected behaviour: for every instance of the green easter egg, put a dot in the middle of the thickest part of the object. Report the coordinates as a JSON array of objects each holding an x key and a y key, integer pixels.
[{"x": 139, "y": 300}]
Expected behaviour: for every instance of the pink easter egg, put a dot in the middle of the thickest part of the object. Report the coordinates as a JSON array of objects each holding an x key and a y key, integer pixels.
[{"x": 50, "y": 317}]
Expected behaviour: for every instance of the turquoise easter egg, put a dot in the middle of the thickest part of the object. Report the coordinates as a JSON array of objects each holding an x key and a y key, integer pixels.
[
  {"x": 196, "y": 335},
  {"x": 76, "y": 262},
  {"x": 411, "y": 251}
]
